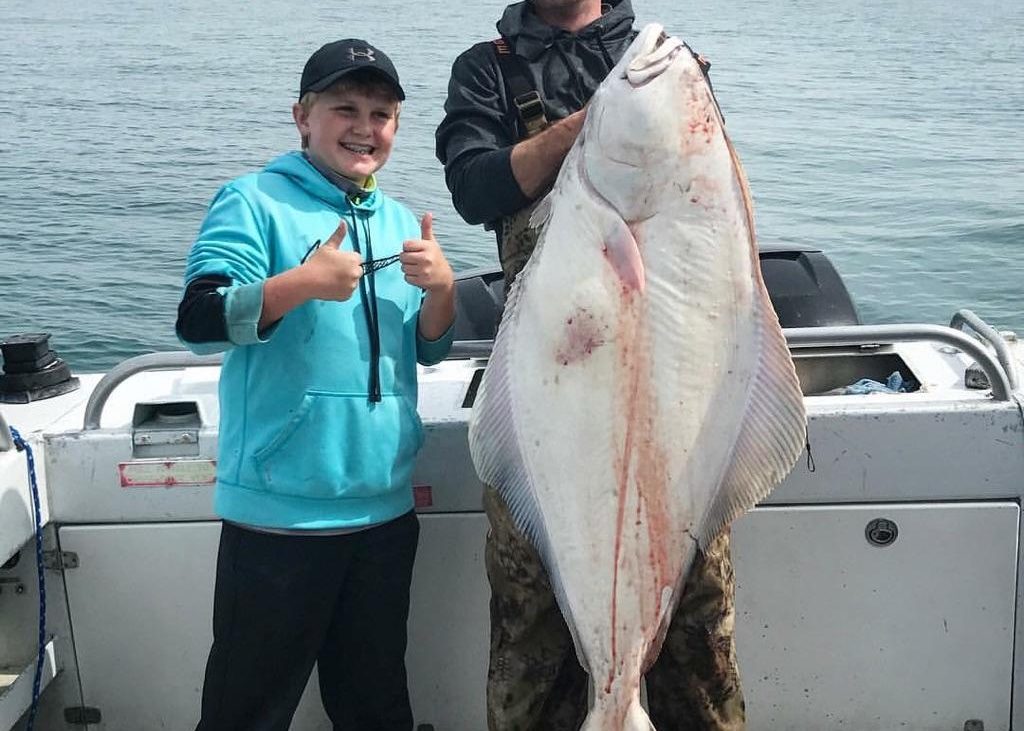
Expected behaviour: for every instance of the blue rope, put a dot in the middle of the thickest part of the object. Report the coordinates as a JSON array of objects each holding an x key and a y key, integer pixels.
[{"x": 24, "y": 446}]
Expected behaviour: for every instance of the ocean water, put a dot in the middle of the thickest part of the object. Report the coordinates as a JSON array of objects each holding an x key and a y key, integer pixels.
[{"x": 887, "y": 133}]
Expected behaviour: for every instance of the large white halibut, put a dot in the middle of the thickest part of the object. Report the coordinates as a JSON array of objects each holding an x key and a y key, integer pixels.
[{"x": 640, "y": 394}]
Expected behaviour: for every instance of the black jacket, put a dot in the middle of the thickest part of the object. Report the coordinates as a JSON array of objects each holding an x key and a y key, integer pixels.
[{"x": 475, "y": 139}]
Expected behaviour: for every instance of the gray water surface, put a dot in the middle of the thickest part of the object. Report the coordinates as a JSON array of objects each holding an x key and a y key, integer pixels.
[{"x": 887, "y": 133}]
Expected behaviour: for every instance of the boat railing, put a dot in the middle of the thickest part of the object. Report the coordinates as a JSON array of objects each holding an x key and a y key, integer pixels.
[
  {"x": 999, "y": 368},
  {"x": 6, "y": 440},
  {"x": 963, "y": 319},
  {"x": 868, "y": 335},
  {"x": 1000, "y": 371},
  {"x": 163, "y": 361}
]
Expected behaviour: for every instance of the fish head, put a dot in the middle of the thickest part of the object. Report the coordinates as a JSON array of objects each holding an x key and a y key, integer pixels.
[{"x": 648, "y": 125}]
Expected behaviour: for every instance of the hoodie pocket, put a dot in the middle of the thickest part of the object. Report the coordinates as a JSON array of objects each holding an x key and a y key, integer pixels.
[{"x": 342, "y": 446}]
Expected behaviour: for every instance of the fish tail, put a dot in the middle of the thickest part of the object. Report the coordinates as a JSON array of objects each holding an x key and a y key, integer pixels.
[
  {"x": 637, "y": 718},
  {"x": 612, "y": 719}
]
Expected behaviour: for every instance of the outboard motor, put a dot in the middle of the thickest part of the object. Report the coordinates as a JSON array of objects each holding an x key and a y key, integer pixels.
[
  {"x": 804, "y": 287},
  {"x": 479, "y": 301},
  {"x": 32, "y": 371}
]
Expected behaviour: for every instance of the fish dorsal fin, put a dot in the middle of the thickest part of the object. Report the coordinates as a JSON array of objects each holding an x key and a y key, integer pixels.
[
  {"x": 542, "y": 211},
  {"x": 772, "y": 433},
  {"x": 498, "y": 459}
]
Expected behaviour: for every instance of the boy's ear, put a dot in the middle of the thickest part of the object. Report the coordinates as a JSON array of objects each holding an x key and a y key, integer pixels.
[{"x": 301, "y": 117}]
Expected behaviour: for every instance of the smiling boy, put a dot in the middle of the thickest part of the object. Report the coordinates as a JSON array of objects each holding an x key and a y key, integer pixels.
[{"x": 324, "y": 293}]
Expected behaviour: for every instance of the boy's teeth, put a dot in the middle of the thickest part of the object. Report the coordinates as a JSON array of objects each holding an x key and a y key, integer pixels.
[{"x": 363, "y": 149}]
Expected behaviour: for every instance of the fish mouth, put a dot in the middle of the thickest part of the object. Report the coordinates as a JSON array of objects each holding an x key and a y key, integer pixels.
[{"x": 649, "y": 65}]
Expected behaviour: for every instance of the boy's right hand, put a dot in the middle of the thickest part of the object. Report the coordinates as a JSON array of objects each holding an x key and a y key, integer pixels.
[{"x": 333, "y": 274}]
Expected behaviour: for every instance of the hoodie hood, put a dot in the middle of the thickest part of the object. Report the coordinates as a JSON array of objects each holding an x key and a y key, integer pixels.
[
  {"x": 530, "y": 36},
  {"x": 337, "y": 192},
  {"x": 566, "y": 68}
]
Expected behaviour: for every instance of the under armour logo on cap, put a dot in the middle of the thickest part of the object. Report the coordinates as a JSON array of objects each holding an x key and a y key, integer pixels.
[
  {"x": 366, "y": 54},
  {"x": 334, "y": 60}
]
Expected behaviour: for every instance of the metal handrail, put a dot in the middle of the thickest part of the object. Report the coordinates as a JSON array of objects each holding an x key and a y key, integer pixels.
[
  {"x": 884, "y": 334},
  {"x": 165, "y": 361},
  {"x": 6, "y": 442},
  {"x": 1000, "y": 380},
  {"x": 966, "y": 318},
  {"x": 463, "y": 349}
]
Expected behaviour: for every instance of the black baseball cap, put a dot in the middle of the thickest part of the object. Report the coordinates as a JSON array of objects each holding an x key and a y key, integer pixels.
[{"x": 333, "y": 60}]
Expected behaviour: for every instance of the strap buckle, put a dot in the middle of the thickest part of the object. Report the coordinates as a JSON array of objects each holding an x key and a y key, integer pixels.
[{"x": 531, "y": 111}]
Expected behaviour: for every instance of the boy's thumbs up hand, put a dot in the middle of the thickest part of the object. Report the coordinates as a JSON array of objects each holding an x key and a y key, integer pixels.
[
  {"x": 427, "y": 227},
  {"x": 338, "y": 236},
  {"x": 423, "y": 262},
  {"x": 333, "y": 274}
]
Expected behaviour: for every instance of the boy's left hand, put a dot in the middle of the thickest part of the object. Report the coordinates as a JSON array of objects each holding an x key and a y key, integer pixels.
[{"x": 423, "y": 262}]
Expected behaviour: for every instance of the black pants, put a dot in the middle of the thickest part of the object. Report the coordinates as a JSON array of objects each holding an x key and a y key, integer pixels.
[{"x": 283, "y": 603}]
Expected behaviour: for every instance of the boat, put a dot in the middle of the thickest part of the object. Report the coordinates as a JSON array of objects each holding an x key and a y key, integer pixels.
[{"x": 878, "y": 586}]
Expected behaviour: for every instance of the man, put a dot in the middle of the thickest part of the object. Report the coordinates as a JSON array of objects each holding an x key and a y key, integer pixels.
[{"x": 514, "y": 108}]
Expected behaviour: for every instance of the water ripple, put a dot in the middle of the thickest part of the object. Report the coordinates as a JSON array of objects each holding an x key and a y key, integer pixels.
[{"x": 882, "y": 132}]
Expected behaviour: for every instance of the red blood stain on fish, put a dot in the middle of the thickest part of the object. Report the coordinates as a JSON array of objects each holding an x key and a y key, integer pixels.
[
  {"x": 702, "y": 127},
  {"x": 642, "y": 473},
  {"x": 583, "y": 333}
]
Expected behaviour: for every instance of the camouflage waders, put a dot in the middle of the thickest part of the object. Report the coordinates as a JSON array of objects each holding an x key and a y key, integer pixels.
[
  {"x": 516, "y": 243},
  {"x": 535, "y": 682}
]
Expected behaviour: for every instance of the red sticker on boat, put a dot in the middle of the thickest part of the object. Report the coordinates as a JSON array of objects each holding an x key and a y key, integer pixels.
[
  {"x": 423, "y": 496},
  {"x": 168, "y": 472}
]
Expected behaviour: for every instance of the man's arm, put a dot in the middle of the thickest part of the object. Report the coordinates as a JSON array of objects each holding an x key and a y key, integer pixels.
[
  {"x": 536, "y": 161},
  {"x": 487, "y": 172}
]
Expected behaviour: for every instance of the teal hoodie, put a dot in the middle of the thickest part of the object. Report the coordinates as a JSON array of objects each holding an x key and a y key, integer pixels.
[{"x": 301, "y": 443}]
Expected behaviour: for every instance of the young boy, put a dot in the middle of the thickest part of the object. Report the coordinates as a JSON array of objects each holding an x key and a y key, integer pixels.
[{"x": 318, "y": 427}]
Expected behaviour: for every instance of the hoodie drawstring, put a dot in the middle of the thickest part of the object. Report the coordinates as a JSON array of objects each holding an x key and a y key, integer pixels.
[
  {"x": 577, "y": 81},
  {"x": 604, "y": 52},
  {"x": 368, "y": 296}
]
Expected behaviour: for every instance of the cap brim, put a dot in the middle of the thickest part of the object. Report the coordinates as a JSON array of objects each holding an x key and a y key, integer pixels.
[{"x": 327, "y": 81}]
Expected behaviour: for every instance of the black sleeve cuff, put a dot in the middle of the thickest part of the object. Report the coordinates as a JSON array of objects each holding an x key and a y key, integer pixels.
[
  {"x": 201, "y": 313},
  {"x": 483, "y": 186}
]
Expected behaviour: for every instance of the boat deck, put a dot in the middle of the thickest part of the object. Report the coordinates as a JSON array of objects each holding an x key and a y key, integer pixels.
[{"x": 838, "y": 626}]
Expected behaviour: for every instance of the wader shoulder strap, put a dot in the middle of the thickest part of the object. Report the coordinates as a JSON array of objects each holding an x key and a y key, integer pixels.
[
  {"x": 705, "y": 66},
  {"x": 527, "y": 101}
]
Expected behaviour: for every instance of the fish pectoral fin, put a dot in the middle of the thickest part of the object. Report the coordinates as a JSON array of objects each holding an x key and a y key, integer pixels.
[
  {"x": 622, "y": 251},
  {"x": 772, "y": 433}
]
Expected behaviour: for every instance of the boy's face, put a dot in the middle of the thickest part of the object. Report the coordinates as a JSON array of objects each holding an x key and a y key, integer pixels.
[{"x": 350, "y": 130}]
